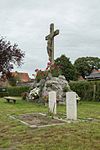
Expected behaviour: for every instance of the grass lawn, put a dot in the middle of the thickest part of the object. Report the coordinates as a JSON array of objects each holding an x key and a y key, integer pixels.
[{"x": 71, "y": 136}]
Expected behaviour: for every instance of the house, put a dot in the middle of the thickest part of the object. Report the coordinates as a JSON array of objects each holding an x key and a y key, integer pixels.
[
  {"x": 95, "y": 75},
  {"x": 21, "y": 76}
]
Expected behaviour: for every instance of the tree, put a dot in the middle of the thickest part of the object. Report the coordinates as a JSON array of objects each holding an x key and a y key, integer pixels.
[
  {"x": 66, "y": 67},
  {"x": 9, "y": 54},
  {"x": 84, "y": 65}
]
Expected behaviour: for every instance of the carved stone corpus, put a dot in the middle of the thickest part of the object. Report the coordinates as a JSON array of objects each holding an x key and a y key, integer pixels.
[{"x": 50, "y": 42}]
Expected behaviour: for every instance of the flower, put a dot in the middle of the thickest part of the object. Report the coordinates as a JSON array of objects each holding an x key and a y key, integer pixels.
[
  {"x": 36, "y": 70},
  {"x": 49, "y": 63}
]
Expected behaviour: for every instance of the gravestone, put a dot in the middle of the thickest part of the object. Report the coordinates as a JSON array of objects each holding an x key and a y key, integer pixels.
[
  {"x": 52, "y": 102},
  {"x": 71, "y": 105}
]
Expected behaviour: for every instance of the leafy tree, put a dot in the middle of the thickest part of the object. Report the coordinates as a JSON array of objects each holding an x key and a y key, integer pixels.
[
  {"x": 84, "y": 65},
  {"x": 9, "y": 54},
  {"x": 66, "y": 67}
]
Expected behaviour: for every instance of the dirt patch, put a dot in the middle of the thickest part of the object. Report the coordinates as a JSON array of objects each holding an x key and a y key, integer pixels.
[{"x": 38, "y": 119}]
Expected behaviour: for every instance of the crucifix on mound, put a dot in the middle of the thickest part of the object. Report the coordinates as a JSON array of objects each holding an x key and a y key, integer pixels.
[{"x": 50, "y": 42}]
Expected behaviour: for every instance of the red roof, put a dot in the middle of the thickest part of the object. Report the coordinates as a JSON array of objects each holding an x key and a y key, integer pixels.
[
  {"x": 95, "y": 74},
  {"x": 23, "y": 77},
  {"x": 95, "y": 70}
]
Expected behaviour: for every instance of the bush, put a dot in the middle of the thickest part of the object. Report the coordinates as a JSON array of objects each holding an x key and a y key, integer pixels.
[
  {"x": 3, "y": 92},
  {"x": 12, "y": 81},
  {"x": 53, "y": 69},
  {"x": 87, "y": 90},
  {"x": 65, "y": 89},
  {"x": 41, "y": 75},
  {"x": 17, "y": 91}
]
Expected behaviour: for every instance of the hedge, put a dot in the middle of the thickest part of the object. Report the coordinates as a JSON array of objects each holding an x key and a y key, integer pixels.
[
  {"x": 3, "y": 91},
  {"x": 87, "y": 90},
  {"x": 17, "y": 91}
]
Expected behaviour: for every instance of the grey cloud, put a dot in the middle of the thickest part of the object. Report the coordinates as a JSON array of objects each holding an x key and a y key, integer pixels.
[{"x": 26, "y": 22}]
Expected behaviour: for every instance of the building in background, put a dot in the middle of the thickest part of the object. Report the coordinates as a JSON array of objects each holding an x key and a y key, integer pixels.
[{"x": 95, "y": 75}]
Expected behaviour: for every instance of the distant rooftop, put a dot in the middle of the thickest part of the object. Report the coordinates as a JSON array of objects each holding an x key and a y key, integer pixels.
[
  {"x": 95, "y": 75},
  {"x": 24, "y": 77}
]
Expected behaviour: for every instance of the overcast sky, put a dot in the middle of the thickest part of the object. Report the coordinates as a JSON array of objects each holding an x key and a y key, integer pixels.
[{"x": 26, "y": 22}]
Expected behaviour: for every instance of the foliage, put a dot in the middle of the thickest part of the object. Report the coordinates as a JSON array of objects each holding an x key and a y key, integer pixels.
[
  {"x": 65, "y": 89},
  {"x": 84, "y": 65},
  {"x": 62, "y": 66},
  {"x": 41, "y": 75},
  {"x": 3, "y": 91},
  {"x": 66, "y": 67},
  {"x": 54, "y": 69},
  {"x": 17, "y": 91},
  {"x": 85, "y": 89},
  {"x": 12, "y": 81},
  {"x": 9, "y": 54}
]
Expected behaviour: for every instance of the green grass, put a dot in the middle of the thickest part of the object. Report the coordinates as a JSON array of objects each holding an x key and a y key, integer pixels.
[{"x": 73, "y": 136}]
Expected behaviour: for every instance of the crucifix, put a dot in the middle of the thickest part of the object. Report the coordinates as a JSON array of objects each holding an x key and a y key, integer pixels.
[{"x": 50, "y": 43}]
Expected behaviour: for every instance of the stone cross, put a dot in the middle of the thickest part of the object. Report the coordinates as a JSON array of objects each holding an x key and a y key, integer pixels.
[{"x": 50, "y": 42}]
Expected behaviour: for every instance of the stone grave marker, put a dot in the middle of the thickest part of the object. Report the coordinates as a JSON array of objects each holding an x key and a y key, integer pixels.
[
  {"x": 52, "y": 102},
  {"x": 71, "y": 105}
]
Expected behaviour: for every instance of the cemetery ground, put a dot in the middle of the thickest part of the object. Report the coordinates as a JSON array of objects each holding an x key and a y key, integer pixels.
[{"x": 83, "y": 135}]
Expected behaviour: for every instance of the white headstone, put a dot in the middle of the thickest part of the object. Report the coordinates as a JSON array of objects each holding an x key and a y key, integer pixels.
[
  {"x": 52, "y": 102},
  {"x": 71, "y": 105}
]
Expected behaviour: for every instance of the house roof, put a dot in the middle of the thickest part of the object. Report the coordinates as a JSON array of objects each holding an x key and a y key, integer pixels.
[
  {"x": 93, "y": 76},
  {"x": 24, "y": 77},
  {"x": 95, "y": 70}
]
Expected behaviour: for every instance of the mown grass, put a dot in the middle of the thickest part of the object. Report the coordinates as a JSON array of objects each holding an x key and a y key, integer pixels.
[{"x": 73, "y": 136}]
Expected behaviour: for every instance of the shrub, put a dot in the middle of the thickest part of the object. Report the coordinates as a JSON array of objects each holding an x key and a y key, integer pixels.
[
  {"x": 17, "y": 91},
  {"x": 54, "y": 69},
  {"x": 12, "y": 81},
  {"x": 41, "y": 75},
  {"x": 85, "y": 89},
  {"x": 65, "y": 89},
  {"x": 3, "y": 92}
]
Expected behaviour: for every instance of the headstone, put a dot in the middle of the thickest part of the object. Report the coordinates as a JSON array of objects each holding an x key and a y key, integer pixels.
[
  {"x": 71, "y": 105},
  {"x": 52, "y": 102}
]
